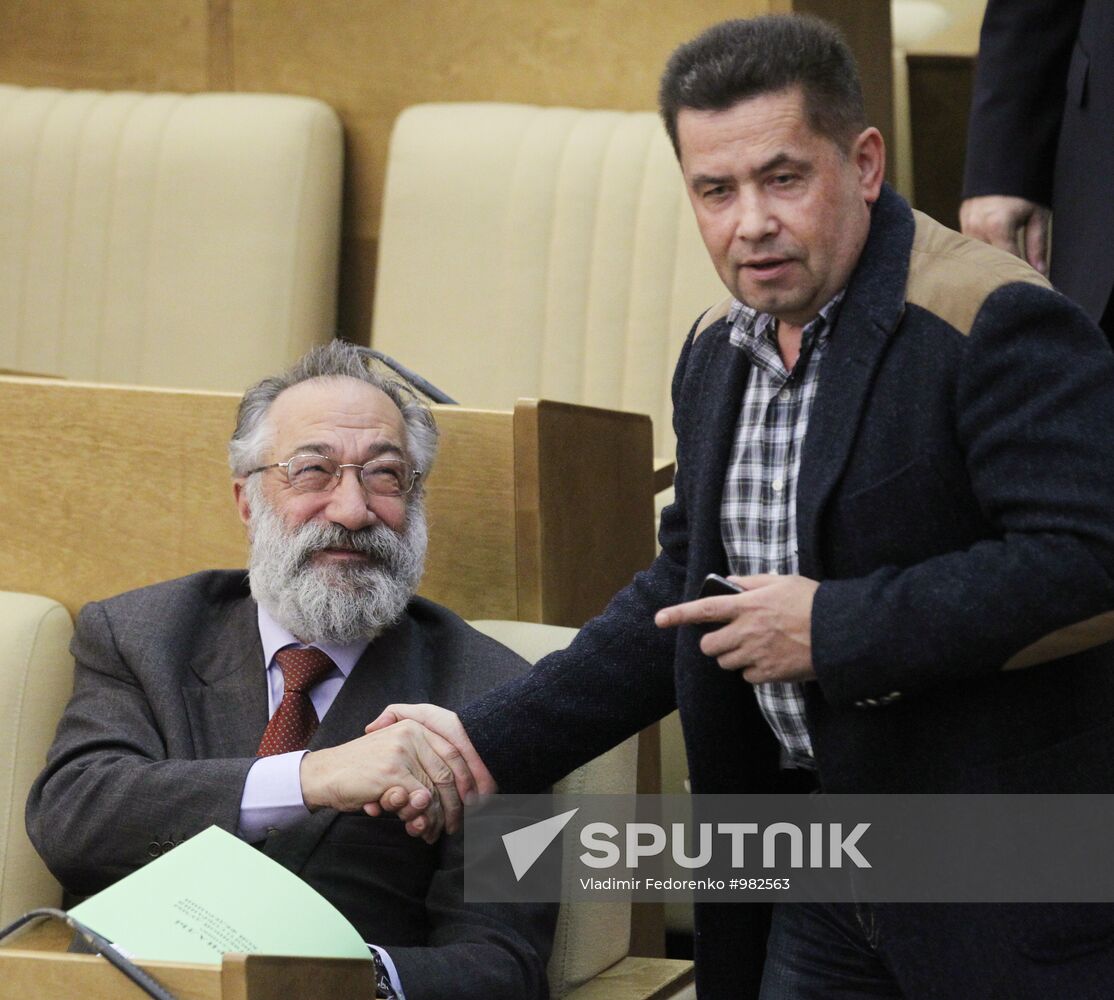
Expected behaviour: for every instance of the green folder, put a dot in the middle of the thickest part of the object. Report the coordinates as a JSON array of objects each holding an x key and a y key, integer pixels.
[{"x": 214, "y": 894}]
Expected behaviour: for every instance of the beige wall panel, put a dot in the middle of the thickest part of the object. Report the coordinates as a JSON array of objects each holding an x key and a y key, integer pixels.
[{"x": 109, "y": 44}]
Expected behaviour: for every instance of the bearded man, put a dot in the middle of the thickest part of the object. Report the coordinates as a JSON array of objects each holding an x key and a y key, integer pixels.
[{"x": 241, "y": 700}]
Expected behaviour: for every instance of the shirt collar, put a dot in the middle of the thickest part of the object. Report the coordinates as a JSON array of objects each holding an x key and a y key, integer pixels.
[
  {"x": 749, "y": 326},
  {"x": 274, "y": 637}
]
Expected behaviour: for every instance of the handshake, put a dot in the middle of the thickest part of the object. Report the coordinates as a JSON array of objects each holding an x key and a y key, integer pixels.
[{"x": 415, "y": 761}]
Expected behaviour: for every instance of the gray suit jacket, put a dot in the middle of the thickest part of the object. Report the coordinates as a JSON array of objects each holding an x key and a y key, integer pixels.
[{"x": 168, "y": 708}]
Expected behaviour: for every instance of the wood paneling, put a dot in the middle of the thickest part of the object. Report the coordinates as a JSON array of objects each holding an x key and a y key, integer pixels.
[
  {"x": 637, "y": 979},
  {"x": 109, "y": 44},
  {"x": 939, "y": 103},
  {"x": 866, "y": 25},
  {"x": 142, "y": 493},
  {"x": 471, "y": 506},
  {"x": 585, "y": 489},
  {"x": 109, "y": 488}
]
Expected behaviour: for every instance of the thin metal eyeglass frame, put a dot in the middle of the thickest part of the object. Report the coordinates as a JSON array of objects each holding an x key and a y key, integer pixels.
[{"x": 415, "y": 474}]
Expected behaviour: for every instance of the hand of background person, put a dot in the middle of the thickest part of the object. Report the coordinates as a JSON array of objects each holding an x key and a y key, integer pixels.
[
  {"x": 417, "y": 769},
  {"x": 473, "y": 777},
  {"x": 1014, "y": 224},
  {"x": 766, "y": 630}
]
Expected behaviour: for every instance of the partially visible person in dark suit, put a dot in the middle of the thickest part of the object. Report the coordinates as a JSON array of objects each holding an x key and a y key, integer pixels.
[
  {"x": 195, "y": 700},
  {"x": 1040, "y": 143}
]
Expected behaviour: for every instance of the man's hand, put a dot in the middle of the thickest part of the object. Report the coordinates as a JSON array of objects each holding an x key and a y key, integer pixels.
[
  {"x": 1014, "y": 224},
  {"x": 417, "y": 769},
  {"x": 767, "y": 634},
  {"x": 473, "y": 777}
]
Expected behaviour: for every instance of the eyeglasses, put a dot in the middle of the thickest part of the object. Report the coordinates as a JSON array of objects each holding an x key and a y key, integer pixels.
[{"x": 381, "y": 477}]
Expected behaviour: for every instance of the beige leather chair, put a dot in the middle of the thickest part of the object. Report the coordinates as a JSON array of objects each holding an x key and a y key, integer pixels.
[
  {"x": 590, "y": 950},
  {"x": 548, "y": 252},
  {"x": 36, "y": 677},
  {"x": 165, "y": 239}
]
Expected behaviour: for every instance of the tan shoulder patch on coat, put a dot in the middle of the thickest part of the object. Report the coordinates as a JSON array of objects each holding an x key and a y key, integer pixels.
[
  {"x": 951, "y": 275},
  {"x": 713, "y": 315}
]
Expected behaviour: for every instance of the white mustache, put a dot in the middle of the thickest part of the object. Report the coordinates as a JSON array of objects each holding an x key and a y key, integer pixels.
[{"x": 377, "y": 541}]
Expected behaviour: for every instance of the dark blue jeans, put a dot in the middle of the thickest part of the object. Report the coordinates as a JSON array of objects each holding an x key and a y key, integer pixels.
[{"x": 848, "y": 951}]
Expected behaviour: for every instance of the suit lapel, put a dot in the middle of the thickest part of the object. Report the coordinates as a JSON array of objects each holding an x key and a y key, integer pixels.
[
  {"x": 871, "y": 311},
  {"x": 390, "y": 670},
  {"x": 393, "y": 668},
  {"x": 227, "y": 707}
]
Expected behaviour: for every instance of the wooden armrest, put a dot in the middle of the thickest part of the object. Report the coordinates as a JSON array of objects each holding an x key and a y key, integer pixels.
[
  {"x": 637, "y": 979},
  {"x": 664, "y": 470}
]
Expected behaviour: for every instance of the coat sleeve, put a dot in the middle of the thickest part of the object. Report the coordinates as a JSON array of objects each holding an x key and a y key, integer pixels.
[
  {"x": 476, "y": 951},
  {"x": 1018, "y": 100},
  {"x": 109, "y": 799},
  {"x": 1033, "y": 409},
  {"x": 613, "y": 680}
]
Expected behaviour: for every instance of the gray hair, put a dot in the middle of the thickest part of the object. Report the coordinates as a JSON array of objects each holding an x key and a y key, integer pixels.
[{"x": 336, "y": 359}]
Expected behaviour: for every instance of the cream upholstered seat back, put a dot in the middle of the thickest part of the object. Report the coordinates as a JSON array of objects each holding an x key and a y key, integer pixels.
[
  {"x": 549, "y": 252},
  {"x": 591, "y": 936},
  {"x": 36, "y": 677},
  {"x": 165, "y": 239}
]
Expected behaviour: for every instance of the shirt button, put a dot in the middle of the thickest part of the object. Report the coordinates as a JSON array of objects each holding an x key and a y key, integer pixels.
[
  {"x": 784, "y": 395},
  {"x": 778, "y": 485}
]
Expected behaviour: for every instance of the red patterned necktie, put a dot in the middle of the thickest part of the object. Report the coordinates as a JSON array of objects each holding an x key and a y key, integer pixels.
[{"x": 295, "y": 720}]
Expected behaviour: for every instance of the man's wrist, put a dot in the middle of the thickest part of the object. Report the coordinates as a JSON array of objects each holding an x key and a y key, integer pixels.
[
  {"x": 384, "y": 985},
  {"x": 309, "y": 776}
]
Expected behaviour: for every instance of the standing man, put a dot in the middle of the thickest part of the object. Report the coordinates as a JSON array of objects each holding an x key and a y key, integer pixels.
[
  {"x": 240, "y": 699},
  {"x": 896, "y": 439},
  {"x": 1041, "y": 143}
]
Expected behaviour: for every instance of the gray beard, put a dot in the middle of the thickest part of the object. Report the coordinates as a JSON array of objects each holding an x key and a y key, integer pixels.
[{"x": 336, "y": 602}]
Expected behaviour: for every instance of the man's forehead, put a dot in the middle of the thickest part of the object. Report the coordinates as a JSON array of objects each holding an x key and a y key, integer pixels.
[
  {"x": 334, "y": 405},
  {"x": 756, "y": 121}
]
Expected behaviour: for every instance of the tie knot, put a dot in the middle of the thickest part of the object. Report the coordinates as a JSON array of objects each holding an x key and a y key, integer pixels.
[{"x": 302, "y": 668}]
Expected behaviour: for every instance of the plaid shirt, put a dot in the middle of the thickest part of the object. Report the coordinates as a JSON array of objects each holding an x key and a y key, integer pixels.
[{"x": 758, "y": 518}]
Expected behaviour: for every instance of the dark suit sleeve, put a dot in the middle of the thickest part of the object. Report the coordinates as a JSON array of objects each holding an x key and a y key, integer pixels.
[
  {"x": 110, "y": 799},
  {"x": 1018, "y": 100},
  {"x": 613, "y": 680},
  {"x": 1034, "y": 404},
  {"x": 476, "y": 951}
]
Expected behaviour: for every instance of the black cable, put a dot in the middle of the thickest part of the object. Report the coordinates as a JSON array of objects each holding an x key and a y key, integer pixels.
[
  {"x": 425, "y": 388},
  {"x": 101, "y": 946}
]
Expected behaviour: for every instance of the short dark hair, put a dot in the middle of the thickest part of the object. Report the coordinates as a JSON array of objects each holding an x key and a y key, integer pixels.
[{"x": 735, "y": 60}]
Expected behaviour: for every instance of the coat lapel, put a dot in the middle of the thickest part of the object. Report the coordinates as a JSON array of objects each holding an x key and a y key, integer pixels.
[
  {"x": 722, "y": 381},
  {"x": 871, "y": 311},
  {"x": 227, "y": 706}
]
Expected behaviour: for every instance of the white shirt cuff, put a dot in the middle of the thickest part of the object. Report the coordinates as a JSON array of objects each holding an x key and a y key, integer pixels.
[{"x": 272, "y": 797}]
